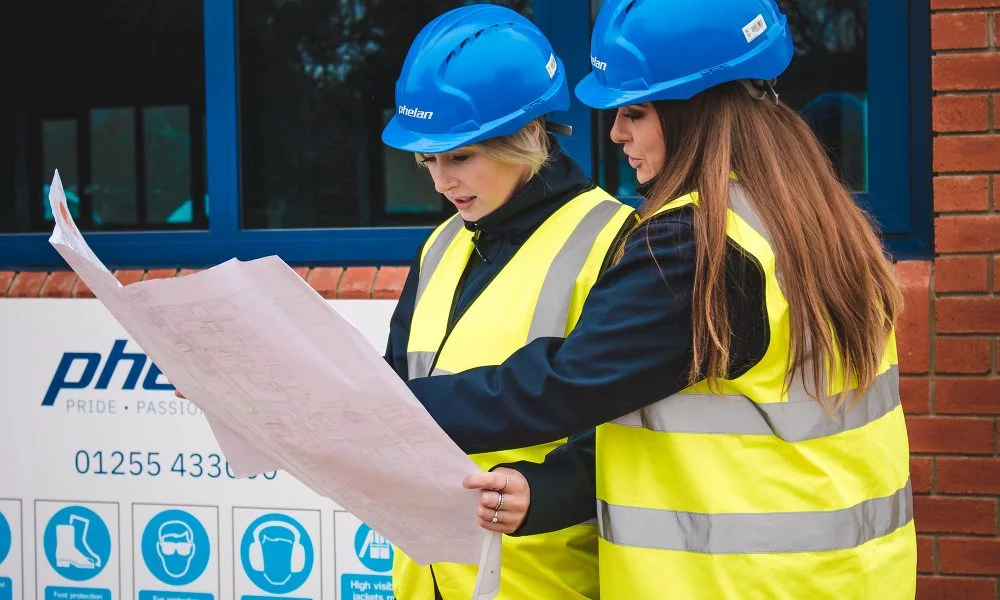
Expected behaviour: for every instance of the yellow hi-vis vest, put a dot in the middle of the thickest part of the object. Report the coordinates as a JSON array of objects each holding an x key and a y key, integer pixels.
[
  {"x": 758, "y": 492},
  {"x": 539, "y": 293}
]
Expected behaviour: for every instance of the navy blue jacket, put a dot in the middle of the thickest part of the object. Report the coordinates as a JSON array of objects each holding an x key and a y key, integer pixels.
[
  {"x": 631, "y": 347},
  {"x": 500, "y": 235}
]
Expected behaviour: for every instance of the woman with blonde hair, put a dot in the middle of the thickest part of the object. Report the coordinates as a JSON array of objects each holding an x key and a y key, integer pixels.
[
  {"x": 513, "y": 265},
  {"x": 738, "y": 358}
]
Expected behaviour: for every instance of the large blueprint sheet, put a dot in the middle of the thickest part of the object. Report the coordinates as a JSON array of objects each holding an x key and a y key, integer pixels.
[{"x": 287, "y": 383}]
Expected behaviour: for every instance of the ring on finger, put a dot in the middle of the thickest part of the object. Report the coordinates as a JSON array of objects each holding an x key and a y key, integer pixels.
[
  {"x": 499, "y": 502},
  {"x": 505, "y": 482},
  {"x": 496, "y": 516}
]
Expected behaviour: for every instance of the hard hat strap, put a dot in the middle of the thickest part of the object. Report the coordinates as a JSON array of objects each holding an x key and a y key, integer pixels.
[{"x": 760, "y": 88}]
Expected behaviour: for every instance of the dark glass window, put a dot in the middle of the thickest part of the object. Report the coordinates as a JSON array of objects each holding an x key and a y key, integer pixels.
[
  {"x": 112, "y": 94},
  {"x": 317, "y": 81},
  {"x": 828, "y": 79},
  {"x": 827, "y": 82}
]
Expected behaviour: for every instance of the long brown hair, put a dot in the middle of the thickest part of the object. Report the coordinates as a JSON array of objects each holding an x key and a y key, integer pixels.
[{"x": 842, "y": 295}]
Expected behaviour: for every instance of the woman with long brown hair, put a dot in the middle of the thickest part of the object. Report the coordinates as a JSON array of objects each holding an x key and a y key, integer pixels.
[{"x": 739, "y": 356}]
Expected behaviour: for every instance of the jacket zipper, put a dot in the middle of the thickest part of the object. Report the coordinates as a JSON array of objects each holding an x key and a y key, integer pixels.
[{"x": 457, "y": 317}]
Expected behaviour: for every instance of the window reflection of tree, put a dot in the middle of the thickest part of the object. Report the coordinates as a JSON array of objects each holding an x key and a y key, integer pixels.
[
  {"x": 828, "y": 79},
  {"x": 317, "y": 80},
  {"x": 831, "y": 45},
  {"x": 85, "y": 77}
]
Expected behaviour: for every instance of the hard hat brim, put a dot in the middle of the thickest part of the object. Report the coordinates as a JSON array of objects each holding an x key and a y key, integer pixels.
[
  {"x": 595, "y": 95},
  {"x": 401, "y": 138},
  {"x": 397, "y": 135}
]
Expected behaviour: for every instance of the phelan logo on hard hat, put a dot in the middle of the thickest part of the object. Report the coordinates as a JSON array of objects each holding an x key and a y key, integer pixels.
[
  {"x": 416, "y": 113},
  {"x": 600, "y": 65}
]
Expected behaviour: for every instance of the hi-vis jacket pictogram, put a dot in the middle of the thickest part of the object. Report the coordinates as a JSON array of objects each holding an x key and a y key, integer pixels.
[
  {"x": 758, "y": 492},
  {"x": 539, "y": 293}
]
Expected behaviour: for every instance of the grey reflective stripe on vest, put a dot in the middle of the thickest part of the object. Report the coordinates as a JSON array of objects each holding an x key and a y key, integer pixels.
[
  {"x": 418, "y": 364},
  {"x": 436, "y": 252},
  {"x": 739, "y": 203},
  {"x": 748, "y": 533},
  {"x": 552, "y": 309},
  {"x": 801, "y": 418}
]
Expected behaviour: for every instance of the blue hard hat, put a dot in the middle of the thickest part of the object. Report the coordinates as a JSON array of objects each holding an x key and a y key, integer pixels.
[
  {"x": 471, "y": 74},
  {"x": 645, "y": 50}
]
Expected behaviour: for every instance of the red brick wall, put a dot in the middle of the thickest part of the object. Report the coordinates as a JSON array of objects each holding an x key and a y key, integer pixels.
[
  {"x": 951, "y": 387},
  {"x": 355, "y": 283}
]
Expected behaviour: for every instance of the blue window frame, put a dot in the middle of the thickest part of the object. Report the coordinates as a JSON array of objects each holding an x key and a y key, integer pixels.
[
  {"x": 899, "y": 88},
  {"x": 900, "y": 165}
]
